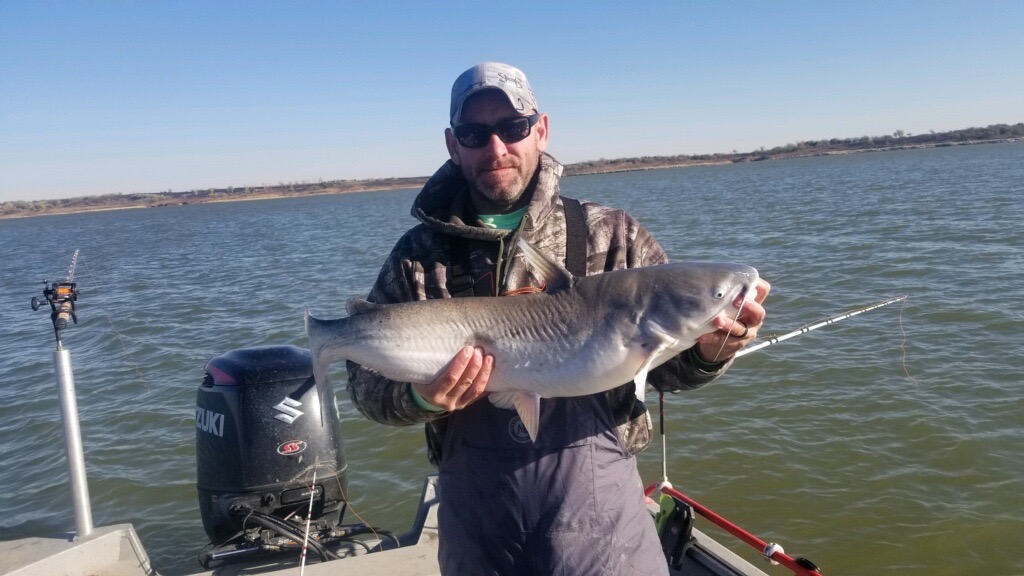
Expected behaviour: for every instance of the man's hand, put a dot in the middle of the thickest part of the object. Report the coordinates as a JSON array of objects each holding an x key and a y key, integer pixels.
[
  {"x": 732, "y": 335},
  {"x": 462, "y": 383}
]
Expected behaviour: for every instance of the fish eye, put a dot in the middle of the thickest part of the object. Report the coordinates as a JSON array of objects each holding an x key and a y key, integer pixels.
[{"x": 719, "y": 294}]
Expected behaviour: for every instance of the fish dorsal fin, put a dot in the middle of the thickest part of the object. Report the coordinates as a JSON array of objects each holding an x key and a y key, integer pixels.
[
  {"x": 555, "y": 276},
  {"x": 357, "y": 306}
]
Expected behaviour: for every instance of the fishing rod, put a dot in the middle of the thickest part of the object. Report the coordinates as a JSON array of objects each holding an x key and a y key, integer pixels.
[
  {"x": 807, "y": 328},
  {"x": 61, "y": 296},
  {"x": 772, "y": 552}
]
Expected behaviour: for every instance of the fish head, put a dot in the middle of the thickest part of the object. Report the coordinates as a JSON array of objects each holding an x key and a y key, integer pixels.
[{"x": 687, "y": 296}]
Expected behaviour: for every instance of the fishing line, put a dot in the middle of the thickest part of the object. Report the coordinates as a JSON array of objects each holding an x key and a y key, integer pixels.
[
  {"x": 664, "y": 448},
  {"x": 775, "y": 340},
  {"x": 726, "y": 340},
  {"x": 903, "y": 345},
  {"x": 309, "y": 518},
  {"x": 350, "y": 508},
  {"x": 120, "y": 338}
]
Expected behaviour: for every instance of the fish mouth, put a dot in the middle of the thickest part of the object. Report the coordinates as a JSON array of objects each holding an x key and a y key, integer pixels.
[
  {"x": 748, "y": 289},
  {"x": 745, "y": 291},
  {"x": 730, "y": 310}
]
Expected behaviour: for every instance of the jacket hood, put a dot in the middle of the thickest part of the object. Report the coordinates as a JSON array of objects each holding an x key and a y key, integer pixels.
[{"x": 444, "y": 203}]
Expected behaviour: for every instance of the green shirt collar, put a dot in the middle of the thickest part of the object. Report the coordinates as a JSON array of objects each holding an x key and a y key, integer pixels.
[{"x": 508, "y": 221}]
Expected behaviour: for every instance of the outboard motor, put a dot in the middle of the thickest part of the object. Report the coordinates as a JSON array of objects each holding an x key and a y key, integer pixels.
[{"x": 260, "y": 434}]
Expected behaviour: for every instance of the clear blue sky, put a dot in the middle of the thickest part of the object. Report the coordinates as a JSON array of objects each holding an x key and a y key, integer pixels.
[{"x": 143, "y": 96}]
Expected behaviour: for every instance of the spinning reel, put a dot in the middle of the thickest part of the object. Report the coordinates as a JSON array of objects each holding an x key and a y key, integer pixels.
[{"x": 61, "y": 296}]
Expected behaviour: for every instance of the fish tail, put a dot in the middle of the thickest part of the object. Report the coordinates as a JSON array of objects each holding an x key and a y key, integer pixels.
[
  {"x": 319, "y": 344},
  {"x": 321, "y": 361}
]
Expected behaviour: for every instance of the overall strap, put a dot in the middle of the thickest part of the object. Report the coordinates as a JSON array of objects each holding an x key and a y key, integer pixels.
[
  {"x": 461, "y": 282},
  {"x": 575, "y": 237}
]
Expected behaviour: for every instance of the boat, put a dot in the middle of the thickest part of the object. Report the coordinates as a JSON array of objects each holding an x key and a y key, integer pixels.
[
  {"x": 272, "y": 489},
  {"x": 117, "y": 551}
]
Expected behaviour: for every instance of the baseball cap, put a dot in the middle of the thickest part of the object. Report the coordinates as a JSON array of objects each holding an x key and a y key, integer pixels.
[{"x": 490, "y": 76}]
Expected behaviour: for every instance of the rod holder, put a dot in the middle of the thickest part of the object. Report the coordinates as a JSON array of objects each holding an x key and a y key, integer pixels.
[{"x": 73, "y": 442}]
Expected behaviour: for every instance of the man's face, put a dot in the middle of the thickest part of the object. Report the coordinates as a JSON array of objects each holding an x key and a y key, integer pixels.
[{"x": 498, "y": 173}]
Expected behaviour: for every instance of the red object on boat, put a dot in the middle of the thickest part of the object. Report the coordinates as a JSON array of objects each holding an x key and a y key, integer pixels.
[{"x": 799, "y": 566}]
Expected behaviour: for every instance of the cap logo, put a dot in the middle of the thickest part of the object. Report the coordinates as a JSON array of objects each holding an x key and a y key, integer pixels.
[{"x": 512, "y": 79}]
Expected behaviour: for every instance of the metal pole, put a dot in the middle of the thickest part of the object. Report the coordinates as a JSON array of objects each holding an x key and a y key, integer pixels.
[{"x": 73, "y": 441}]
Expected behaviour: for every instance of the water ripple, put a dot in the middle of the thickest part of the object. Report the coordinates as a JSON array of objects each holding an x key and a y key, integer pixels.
[{"x": 823, "y": 442}]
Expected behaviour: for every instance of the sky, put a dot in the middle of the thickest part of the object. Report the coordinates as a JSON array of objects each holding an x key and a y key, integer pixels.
[{"x": 135, "y": 96}]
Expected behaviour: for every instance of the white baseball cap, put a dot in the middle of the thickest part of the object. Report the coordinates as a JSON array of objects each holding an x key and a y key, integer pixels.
[{"x": 493, "y": 76}]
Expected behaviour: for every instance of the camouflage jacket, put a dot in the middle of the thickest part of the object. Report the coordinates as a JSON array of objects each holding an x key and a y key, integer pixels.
[{"x": 447, "y": 253}]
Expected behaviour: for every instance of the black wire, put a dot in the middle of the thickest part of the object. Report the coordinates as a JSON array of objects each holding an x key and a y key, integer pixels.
[
  {"x": 298, "y": 536},
  {"x": 356, "y": 529},
  {"x": 346, "y": 533},
  {"x": 278, "y": 525},
  {"x": 359, "y": 542},
  {"x": 290, "y": 531}
]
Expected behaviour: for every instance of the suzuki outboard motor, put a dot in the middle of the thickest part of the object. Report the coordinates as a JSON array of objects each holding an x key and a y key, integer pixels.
[{"x": 260, "y": 434}]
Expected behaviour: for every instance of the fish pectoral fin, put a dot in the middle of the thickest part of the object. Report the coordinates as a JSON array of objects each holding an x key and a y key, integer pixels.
[
  {"x": 357, "y": 306},
  {"x": 640, "y": 378},
  {"x": 556, "y": 277},
  {"x": 663, "y": 341},
  {"x": 526, "y": 404}
]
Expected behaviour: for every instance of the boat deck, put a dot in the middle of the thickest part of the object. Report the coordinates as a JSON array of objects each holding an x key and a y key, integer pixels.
[{"x": 117, "y": 551}]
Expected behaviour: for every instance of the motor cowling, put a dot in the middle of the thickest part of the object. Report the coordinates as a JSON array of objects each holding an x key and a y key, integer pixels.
[{"x": 260, "y": 434}]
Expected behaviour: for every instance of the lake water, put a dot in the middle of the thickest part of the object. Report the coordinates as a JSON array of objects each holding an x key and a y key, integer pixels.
[{"x": 889, "y": 443}]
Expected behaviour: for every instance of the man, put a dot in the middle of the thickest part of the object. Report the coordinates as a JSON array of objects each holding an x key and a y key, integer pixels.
[{"x": 571, "y": 502}]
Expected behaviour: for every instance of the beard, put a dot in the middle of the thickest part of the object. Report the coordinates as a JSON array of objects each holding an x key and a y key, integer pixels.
[{"x": 500, "y": 185}]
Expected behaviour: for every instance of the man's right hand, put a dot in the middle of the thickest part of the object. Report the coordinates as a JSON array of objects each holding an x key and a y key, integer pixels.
[{"x": 462, "y": 383}]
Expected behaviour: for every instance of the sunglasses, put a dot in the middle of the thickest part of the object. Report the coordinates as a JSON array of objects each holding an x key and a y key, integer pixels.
[{"x": 509, "y": 131}]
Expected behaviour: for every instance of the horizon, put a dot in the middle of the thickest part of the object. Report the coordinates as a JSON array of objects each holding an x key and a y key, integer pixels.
[
  {"x": 128, "y": 97},
  {"x": 426, "y": 176}
]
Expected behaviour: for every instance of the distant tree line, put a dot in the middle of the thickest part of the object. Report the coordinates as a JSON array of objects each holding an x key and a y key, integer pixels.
[
  {"x": 898, "y": 139},
  {"x": 194, "y": 196}
]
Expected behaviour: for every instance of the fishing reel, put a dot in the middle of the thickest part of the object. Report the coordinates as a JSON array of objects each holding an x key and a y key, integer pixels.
[{"x": 61, "y": 296}]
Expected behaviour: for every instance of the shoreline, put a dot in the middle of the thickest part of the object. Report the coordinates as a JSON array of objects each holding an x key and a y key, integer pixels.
[
  {"x": 136, "y": 201},
  {"x": 794, "y": 155},
  {"x": 69, "y": 210}
]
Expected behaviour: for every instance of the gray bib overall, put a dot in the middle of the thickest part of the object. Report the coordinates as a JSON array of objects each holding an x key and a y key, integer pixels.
[{"x": 570, "y": 504}]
